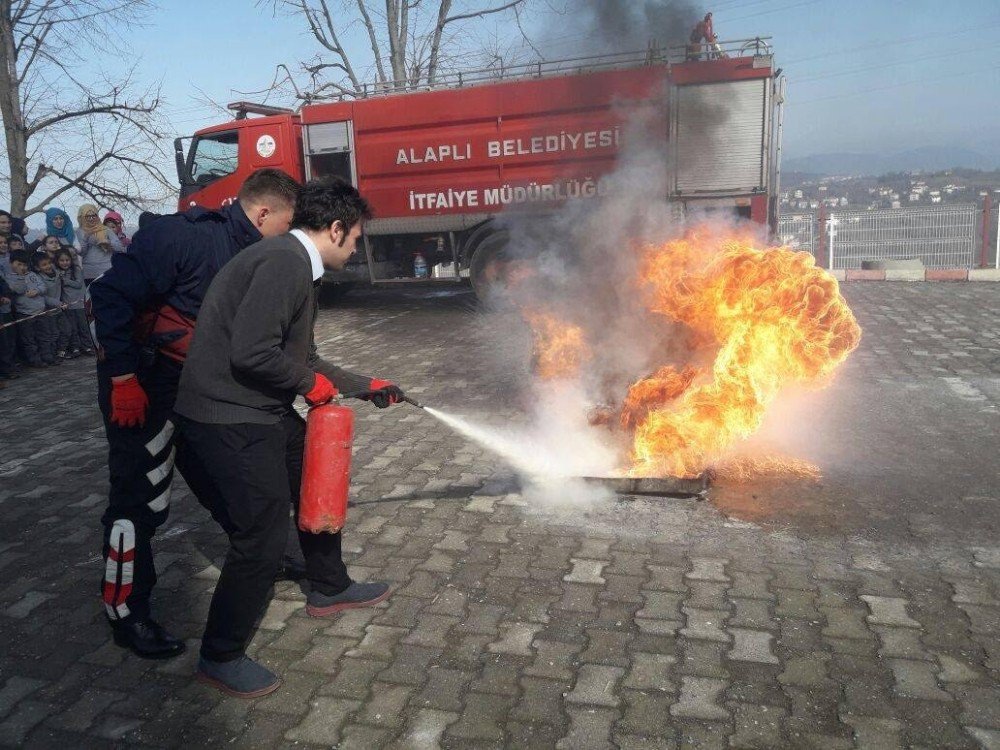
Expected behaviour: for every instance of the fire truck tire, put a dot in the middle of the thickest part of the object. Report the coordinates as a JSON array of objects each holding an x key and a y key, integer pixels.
[{"x": 487, "y": 270}]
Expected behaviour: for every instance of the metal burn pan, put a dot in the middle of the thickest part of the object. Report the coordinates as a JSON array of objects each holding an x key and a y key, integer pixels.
[{"x": 655, "y": 486}]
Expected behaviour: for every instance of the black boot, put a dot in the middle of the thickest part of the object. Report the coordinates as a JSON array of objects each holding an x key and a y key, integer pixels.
[
  {"x": 147, "y": 639},
  {"x": 291, "y": 570}
]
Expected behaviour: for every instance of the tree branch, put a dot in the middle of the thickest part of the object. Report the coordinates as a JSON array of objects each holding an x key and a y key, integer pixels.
[
  {"x": 482, "y": 13},
  {"x": 69, "y": 184},
  {"x": 314, "y": 94},
  {"x": 39, "y": 41},
  {"x": 121, "y": 110},
  {"x": 370, "y": 28},
  {"x": 413, "y": 32},
  {"x": 339, "y": 49},
  {"x": 442, "y": 20},
  {"x": 104, "y": 143},
  {"x": 524, "y": 35}
]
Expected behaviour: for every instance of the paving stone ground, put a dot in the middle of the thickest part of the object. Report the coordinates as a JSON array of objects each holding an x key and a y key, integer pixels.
[{"x": 859, "y": 611}]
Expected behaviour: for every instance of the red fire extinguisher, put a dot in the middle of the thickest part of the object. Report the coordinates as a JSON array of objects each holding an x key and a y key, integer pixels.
[{"x": 326, "y": 468}]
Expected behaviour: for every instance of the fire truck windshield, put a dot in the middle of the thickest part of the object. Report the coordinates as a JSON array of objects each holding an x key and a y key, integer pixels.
[{"x": 211, "y": 157}]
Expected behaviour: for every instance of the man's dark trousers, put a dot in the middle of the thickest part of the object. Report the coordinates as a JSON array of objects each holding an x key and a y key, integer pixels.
[
  {"x": 257, "y": 469},
  {"x": 141, "y": 465}
]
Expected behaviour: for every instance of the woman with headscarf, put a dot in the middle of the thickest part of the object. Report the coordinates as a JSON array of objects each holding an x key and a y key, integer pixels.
[
  {"x": 97, "y": 243},
  {"x": 113, "y": 221},
  {"x": 58, "y": 223}
]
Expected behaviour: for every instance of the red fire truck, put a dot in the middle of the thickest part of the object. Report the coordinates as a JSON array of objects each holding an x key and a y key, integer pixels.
[{"x": 441, "y": 164}]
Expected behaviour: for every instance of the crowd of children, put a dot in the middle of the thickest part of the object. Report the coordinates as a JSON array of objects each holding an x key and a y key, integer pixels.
[{"x": 43, "y": 281}]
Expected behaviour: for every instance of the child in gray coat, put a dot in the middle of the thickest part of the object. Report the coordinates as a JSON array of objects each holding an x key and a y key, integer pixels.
[
  {"x": 29, "y": 301},
  {"x": 76, "y": 329},
  {"x": 50, "y": 339}
]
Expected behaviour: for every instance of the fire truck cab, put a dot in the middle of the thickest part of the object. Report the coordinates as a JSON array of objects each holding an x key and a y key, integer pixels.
[{"x": 440, "y": 165}]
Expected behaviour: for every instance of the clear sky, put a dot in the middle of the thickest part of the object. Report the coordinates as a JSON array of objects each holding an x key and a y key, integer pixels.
[{"x": 863, "y": 75}]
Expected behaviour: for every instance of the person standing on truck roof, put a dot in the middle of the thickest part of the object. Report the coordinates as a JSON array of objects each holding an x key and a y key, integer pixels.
[
  {"x": 144, "y": 308},
  {"x": 703, "y": 32},
  {"x": 252, "y": 354}
]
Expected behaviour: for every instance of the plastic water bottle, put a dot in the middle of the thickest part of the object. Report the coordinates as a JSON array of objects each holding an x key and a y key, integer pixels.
[{"x": 419, "y": 266}]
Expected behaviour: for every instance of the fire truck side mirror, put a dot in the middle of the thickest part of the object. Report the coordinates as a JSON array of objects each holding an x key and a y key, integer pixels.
[{"x": 180, "y": 159}]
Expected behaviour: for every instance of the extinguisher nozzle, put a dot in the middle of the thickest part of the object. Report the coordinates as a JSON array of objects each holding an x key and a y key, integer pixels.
[{"x": 413, "y": 401}]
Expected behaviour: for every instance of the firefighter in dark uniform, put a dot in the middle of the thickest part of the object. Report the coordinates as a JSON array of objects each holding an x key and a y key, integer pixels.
[{"x": 144, "y": 311}]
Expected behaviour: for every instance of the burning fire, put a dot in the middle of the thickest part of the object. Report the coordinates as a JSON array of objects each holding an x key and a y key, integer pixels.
[
  {"x": 560, "y": 348},
  {"x": 665, "y": 385},
  {"x": 755, "y": 320}
]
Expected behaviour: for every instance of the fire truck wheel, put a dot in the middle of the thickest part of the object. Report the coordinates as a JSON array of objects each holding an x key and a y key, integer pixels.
[{"x": 488, "y": 269}]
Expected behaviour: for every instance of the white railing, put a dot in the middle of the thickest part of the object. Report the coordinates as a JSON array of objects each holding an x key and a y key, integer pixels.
[
  {"x": 758, "y": 47},
  {"x": 941, "y": 236},
  {"x": 993, "y": 259},
  {"x": 798, "y": 231}
]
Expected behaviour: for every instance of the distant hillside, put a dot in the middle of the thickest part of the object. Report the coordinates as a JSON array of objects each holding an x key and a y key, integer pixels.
[{"x": 930, "y": 159}]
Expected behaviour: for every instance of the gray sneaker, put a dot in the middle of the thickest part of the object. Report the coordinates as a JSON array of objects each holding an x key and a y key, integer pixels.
[
  {"x": 355, "y": 595},
  {"x": 241, "y": 678}
]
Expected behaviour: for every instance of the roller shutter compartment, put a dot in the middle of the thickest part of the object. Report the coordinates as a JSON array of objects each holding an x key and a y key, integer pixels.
[{"x": 720, "y": 137}]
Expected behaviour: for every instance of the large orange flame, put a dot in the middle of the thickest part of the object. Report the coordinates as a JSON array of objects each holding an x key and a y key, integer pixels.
[
  {"x": 772, "y": 316},
  {"x": 559, "y": 348},
  {"x": 664, "y": 386},
  {"x": 762, "y": 319}
]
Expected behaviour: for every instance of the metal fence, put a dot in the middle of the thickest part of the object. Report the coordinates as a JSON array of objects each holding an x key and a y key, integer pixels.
[
  {"x": 798, "y": 231},
  {"x": 941, "y": 237}
]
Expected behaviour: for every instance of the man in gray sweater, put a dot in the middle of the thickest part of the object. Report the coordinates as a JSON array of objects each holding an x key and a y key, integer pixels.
[{"x": 252, "y": 354}]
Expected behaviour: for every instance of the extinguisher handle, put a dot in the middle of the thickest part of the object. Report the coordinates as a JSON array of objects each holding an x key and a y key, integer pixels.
[{"x": 369, "y": 394}]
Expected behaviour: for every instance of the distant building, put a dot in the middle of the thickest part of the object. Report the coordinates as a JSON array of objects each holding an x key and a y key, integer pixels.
[
  {"x": 896, "y": 204},
  {"x": 843, "y": 201},
  {"x": 914, "y": 197},
  {"x": 798, "y": 194}
]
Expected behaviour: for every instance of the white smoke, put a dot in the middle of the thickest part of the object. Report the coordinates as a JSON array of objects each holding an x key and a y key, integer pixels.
[{"x": 585, "y": 260}]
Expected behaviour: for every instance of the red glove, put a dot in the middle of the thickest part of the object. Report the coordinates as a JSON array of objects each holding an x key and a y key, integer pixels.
[
  {"x": 322, "y": 391},
  {"x": 384, "y": 393},
  {"x": 128, "y": 403}
]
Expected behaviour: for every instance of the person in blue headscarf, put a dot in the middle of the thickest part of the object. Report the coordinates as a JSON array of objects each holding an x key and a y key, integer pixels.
[{"x": 58, "y": 223}]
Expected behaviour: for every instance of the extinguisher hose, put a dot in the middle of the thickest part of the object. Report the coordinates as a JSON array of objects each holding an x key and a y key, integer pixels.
[
  {"x": 368, "y": 394},
  {"x": 413, "y": 401}
]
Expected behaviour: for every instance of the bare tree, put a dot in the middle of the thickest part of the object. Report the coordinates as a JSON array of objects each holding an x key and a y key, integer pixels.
[
  {"x": 409, "y": 41},
  {"x": 96, "y": 135}
]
